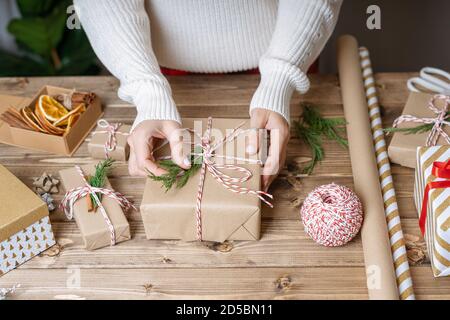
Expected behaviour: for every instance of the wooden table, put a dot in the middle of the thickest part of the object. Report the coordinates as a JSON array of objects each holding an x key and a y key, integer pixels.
[{"x": 284, "y": 264}]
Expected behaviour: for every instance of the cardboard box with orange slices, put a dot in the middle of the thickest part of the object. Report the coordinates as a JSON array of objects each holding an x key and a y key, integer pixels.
[{"x": 53, "y": 129}]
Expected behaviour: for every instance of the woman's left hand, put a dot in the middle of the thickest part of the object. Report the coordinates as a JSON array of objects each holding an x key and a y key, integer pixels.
[{"x": 278, "y": 127}]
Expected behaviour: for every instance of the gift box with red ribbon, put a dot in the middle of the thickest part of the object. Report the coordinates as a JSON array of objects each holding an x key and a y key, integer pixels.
[{"x": 432, "y": 197}]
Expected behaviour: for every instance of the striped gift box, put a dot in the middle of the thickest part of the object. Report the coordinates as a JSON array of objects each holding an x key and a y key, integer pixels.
[{"x": 437, "y": 223}]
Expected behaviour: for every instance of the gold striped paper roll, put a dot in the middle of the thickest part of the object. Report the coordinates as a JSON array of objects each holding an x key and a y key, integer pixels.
[
  {"x": 404, "y": 281},
  {"x": 380, "y": 273}
]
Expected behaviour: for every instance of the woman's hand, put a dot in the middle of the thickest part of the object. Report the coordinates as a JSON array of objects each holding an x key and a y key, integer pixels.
[
  {"x": 279, "y": 138},
  {"x": 142, "y": 142}
]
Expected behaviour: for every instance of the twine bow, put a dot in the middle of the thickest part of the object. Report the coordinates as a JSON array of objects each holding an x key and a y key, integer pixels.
[
  {"x": 111, "y": 130},
  {"x": 75, "y": 194},
  {"x": 232, "y": 183},
  {"x": 439, "y": 170},
  {"x": 439, "y": 121}
]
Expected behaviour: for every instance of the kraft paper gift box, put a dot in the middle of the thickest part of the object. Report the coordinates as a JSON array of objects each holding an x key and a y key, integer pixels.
[
  {"x": 437, "y": 219},
  {"x": 62, "y": 145},
  {"x": 96, "y": 146},
  {"x": 25, "y": 229},
  {"x": 93, "y": 227},
  {"x": 402, "y": 149},
  {"x": 225, "y": 215}
]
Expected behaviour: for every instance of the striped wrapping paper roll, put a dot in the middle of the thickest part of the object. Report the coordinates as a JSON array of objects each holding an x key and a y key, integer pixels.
[{"x": 404, "y": 281}]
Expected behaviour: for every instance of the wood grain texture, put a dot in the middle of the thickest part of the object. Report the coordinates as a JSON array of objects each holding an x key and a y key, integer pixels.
[
  {"x": 191, "y": 283},
  {"x": 284, "y": 264},
  {"x": 283, "y": 242},
  {"x": 215, "y": 283}
]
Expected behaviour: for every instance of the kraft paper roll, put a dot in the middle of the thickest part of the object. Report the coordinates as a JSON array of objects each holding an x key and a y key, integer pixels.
[{"x": 381, "y": 280}]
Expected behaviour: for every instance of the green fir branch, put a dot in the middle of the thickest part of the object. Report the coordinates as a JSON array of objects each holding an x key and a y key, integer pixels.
[
  {"x": 312, "y": 127},
  {"x": 98, "y": 179},
  {"x": 176, "y": 176},
  {"x": 426, "y": 127}
]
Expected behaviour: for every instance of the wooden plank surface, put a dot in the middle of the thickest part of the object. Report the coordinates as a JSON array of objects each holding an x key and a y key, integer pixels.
[
  {"x": 210, "y": 283},
  {"x": 284, "y": 264}
]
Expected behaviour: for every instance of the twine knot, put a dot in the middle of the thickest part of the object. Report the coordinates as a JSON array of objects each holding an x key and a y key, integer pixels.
[
  {"x": 111, "y": 130},
  {"x": 438, "y": 122}
]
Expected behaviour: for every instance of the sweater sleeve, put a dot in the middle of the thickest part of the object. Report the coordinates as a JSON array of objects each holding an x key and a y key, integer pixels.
[
  {"x": 119, "y": 32},
  {"x": 301, "y": 31}
]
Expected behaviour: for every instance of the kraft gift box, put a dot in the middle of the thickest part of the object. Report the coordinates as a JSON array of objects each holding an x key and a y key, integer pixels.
[
  {"x": 402, "y": 149},
  {"x": 61, "y": 145},
  {"x": 437, "y": 223},
  {"x": 225, "y": 215},
  {"x": 96, "y": 146},
  {"x": 93, "y": 227},
  {"x": 25, "y": 229}
]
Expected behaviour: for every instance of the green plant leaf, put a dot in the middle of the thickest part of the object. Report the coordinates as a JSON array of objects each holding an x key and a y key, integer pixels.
[
  {"x": 176, "y": 176},
  {"x": 32, "y": 8},
  {"x": 99, "y": 177},
  {"x": 12, "y": 65},
  {"x": 77, "y": 56},
  {"x": 40, "y": 35}
]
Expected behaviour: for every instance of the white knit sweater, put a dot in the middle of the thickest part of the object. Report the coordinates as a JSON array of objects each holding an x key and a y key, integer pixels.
[{"x": 134, "y": 37}]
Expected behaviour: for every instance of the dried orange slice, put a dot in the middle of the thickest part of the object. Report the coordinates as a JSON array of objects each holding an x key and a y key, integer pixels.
[
  {"x": 41, "y": 124},
  {"x": 71, "y": 121},
  {"x": 29, "y": 117},
  {"x": 45, "y": 123},
  {"x": 65, "y": 119},
  {"x": 51, "y": 109}
]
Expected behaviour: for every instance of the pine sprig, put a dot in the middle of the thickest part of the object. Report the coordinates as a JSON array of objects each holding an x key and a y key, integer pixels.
[
  {"x": 98, "y": 179},
  {"x": 313, "y": 140},
  {"x": 176, "y": 176},
  {"x": 312, "y": 127},
  {"x": 417, "y": 129}
]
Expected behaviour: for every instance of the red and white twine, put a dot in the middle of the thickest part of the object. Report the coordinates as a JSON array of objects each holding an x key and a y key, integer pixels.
[
  {"x": 111, "y": 130},
  {"x": 332, "y": 215},
  {"x": 76, "y": 194},
  {"x": 438, "y": 122},
  {"x": 231, "y": 183}
]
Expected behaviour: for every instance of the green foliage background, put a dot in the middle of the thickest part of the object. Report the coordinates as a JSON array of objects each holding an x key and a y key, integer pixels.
[{"x": 47, "y": 46}]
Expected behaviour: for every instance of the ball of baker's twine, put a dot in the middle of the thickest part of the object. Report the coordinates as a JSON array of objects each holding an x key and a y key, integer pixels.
[{"x": 332, "y": 215}]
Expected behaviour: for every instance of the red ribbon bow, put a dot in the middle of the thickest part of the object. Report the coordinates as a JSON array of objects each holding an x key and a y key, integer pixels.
[{"x": 439, "y": 170}]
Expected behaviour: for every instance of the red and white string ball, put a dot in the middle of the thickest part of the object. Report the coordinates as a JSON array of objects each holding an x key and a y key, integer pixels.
[{"x": 332, "y": 215}]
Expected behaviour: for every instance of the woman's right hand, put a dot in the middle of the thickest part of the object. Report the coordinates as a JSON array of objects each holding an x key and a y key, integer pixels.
[{"x": 143, "y": 140}]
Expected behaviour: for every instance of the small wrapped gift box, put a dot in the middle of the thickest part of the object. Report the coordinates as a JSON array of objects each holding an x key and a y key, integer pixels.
[
  {"x": 110, "y": 140},
  {"x": 421, "y": 108},
  {"x": 100, "y": 228},
  {"x": 25, "y": 229},
  {"x": 432, "y": 198},
  {"x": 206, "y": 208}
]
